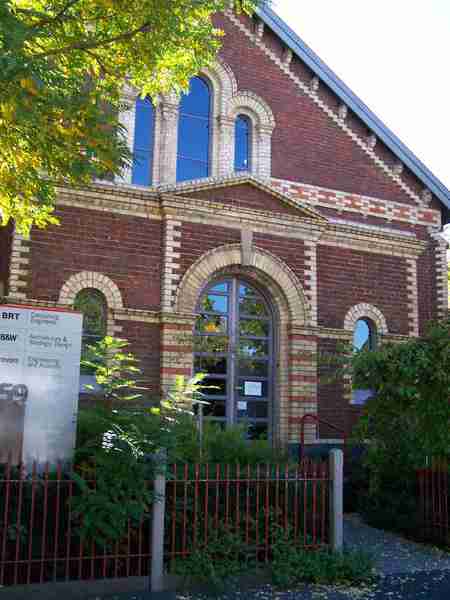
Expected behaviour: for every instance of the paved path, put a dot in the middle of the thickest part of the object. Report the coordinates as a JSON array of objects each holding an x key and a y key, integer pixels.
[
  {"x": 406, "y": 571},
  {"x": 393, "y": 554}
]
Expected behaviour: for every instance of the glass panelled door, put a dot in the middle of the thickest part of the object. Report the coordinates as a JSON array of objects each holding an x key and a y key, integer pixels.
[{"x": 234, "y": 346}]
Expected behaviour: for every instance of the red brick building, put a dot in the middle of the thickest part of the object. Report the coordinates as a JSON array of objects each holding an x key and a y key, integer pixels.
[{"x": 270, "y": 212}]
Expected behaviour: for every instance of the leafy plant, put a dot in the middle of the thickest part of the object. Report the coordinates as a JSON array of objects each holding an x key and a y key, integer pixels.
[
  {"x": 114, "y": 444},
  {"x": 291, "y": 565},
  {"x": 223, "y": 558},
  {"x": 405, "y": 423},
  {"x": 112, "y": 490},
  {"x": 63, "y": 67},
  {"x": 114, "y": 370}
]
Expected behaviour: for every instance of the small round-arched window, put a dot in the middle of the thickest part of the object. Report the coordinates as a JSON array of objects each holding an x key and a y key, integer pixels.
[
  {"x": 364, "y": 340},
  {"x": 92, "y": 305},
  {"x": 364, "y": 335}
]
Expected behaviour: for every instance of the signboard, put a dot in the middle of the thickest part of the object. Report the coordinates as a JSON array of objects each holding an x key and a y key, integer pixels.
[
  {"x": 252, "y": 388},
  {"x": 39, "y": 383}
]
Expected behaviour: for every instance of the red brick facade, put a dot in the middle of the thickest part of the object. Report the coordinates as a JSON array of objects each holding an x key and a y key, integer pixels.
[{"x": 330, "y": 236}]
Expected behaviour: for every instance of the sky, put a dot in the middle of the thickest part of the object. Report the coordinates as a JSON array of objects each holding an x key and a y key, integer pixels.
[{"x": 394, "y": 55}]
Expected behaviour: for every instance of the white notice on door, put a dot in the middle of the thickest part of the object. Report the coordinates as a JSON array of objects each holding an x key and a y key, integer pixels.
[{"x": 253, "y": 388}]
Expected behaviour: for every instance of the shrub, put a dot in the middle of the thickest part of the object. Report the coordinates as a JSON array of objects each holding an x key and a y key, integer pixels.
[
  {"x": 405, "y": 423},
  {"x": 292, "y": 565}
]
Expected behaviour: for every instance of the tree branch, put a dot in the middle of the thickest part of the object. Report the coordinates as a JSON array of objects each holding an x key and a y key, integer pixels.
[
  {"x": 56, "y": 17},
  {"x": 95, "y": 44}
]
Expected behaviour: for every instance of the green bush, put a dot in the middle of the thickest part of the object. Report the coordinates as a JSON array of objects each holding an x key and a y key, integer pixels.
[
  {"x": 222, "y": 559},
  {"x": 226, "y": 557},
  {"x": 218, "y": 445},
  {"x": 405, "y": 423},
  {"x": 292, "y": 565}
]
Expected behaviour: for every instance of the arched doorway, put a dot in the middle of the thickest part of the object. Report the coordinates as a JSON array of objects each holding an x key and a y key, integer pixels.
[{"x": 234, "y": 345}]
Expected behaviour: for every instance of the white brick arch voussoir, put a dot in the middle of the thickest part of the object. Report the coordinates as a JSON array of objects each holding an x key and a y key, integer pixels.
[
  {"x": 91, "y": 279},
  {"x": 368, "y": 311},
  {"x": 248, "y": 102},
  {"x": 280, "y": 281}
]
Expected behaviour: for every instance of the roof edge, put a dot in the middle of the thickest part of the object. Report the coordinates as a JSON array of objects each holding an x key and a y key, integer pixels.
[{"x": 315, "y": 63}]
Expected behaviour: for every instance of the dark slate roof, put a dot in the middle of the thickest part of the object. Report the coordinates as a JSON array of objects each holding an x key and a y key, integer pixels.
[{"x": 308, "y": 56}]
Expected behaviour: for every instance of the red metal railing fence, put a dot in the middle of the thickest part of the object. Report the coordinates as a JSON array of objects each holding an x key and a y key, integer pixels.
[
  {"x": 434, "y": 504},
  {"x": 39, "y": 540}
]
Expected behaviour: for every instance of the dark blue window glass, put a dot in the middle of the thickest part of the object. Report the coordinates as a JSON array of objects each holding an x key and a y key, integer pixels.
[
  {"x": 242, "y": 137},
  {"x": 143, "y": 142},
  {"x": 194, "y": 131}
]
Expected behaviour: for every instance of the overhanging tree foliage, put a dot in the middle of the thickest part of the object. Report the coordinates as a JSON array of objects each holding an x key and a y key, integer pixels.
[
  {"x": 409, "y": 413},
  {"x": 406, "y": 423},
  {"x": 63, "y": 65}
]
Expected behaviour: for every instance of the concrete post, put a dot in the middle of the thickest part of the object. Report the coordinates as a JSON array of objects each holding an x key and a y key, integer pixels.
[
  {"x": 158, "y": 513},
  {"x": 336, "y": 499}
]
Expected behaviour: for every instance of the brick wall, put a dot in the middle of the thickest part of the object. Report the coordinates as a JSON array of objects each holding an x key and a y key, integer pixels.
[
  {"x": 307, "y": 145},
  {"x": 196, "y": 239},
  {"x": 291, "y": 252},
  {"x": 426, "y": 275},
  {"x": 144, "y": 341},
  {"x": 348, "y": 277},
  {"x": 126, "y": 249},
  {"x": 246, "y": 196}
]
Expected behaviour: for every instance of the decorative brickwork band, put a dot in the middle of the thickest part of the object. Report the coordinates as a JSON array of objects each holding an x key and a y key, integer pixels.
[
  {"x": 413, "y": 297},
  {"x": 355, "y": 203},
  {"x": 19, "y": 267},
  {"x": 311, "y": 278},
  {"x": 361, "y": 311},
  {"x": 440, "y": 250},
  {"x": 172, "y": 237}
]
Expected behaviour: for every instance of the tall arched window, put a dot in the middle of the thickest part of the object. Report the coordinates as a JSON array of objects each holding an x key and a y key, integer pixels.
[
  {"x": 143, "y": 142},
  {"x": 233, "y": 345},
  {"x": 194, "y": 131},
  {"x": 364, "y": 339},
  {"x": 242, "y": 143},
  {"x": 92, "y": 304}
]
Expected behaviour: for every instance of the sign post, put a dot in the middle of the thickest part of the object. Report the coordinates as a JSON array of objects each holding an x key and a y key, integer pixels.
[{"x": 39, "y": 383}]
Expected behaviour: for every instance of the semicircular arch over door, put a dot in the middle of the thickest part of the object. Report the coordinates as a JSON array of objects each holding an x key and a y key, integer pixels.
[{"x": 234, "y": 345}]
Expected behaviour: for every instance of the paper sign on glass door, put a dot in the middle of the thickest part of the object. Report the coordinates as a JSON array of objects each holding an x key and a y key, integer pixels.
[{"x": 252, "y": 388}]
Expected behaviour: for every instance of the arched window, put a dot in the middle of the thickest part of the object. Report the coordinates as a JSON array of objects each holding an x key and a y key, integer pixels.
[
  {"x": 364, "y": 336},
  {"x": 242, "y": 143},
  {"x": 233, "y": 345},
  {"x": 92, "y": 304},
  {"x": 364, "y": 339},
  {"x": 194, "y": 131},
  {"x": 143, "y": 142}
]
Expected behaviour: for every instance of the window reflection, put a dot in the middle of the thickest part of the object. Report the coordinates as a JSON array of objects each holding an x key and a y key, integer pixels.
[
  {"x": 143, "y": 142},
  {"x": 211, "y": 324},
  {"x": 92, "y": 305},
  {"x": 254, "y": 327},
  {"x": 242, "y": 135},
  {"x": 214, "y": 303},
  {"x": 194, "y": 131}
]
